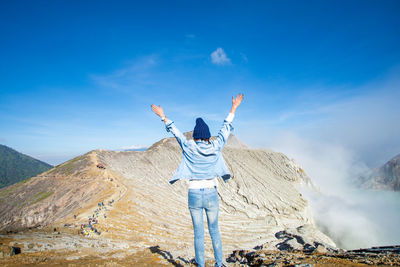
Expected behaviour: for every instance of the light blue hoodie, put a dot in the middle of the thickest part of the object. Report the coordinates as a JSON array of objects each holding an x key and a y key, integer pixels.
[{"x": 200, "y": 159}]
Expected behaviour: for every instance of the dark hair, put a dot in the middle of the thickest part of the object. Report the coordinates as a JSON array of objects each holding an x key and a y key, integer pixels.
[{"x": 204, "y": 139}]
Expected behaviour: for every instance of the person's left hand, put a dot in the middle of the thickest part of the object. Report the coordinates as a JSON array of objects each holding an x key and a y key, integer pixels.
[
  {"x": 158, "y": 110},
  {"x": 236, "y": 101}
]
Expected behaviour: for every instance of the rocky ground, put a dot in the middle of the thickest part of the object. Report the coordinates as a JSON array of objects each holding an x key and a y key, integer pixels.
[
  {"x": 316, "y": 254},
  {"x": 68, "y": 249},
  {"x": 67, "y": 246},
  {"x": 300, "y": 258}
]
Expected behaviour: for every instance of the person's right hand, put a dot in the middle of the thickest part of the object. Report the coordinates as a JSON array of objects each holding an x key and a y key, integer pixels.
[
  {"x": 236, "y": 102},
  {"x": 158, "y": 110}
]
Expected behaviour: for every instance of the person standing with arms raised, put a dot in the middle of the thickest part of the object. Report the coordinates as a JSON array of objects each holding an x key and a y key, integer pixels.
[{"x": 202, "y": 164}]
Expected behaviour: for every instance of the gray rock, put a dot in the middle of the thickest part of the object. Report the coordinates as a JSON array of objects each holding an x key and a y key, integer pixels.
[
  {"x": 321, "y": 249},
  {"x": 387, "y": 177},
  {"x": 294, "y": 244}
]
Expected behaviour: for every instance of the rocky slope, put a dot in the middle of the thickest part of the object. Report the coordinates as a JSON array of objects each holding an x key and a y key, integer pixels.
[
  {"x": 52, "y": 195},
  {"x": 143, "y": 210},
  {"x": 387, "y": 177}
]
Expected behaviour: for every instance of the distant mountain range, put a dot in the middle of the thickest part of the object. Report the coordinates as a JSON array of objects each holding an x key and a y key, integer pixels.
[
  {"x": 15, "y": 166},
  {"x": 387, "y": 177}
]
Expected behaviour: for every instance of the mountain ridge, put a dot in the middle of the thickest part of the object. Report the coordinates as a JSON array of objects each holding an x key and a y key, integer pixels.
[
  {"x": 16, "y": 166},
  {"x": 259, "y": 200}
]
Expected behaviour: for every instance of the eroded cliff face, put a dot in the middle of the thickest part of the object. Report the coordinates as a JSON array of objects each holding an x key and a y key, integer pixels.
[
  {"x": 387, "y": 177},
  {"x": 259, "y": 200}
]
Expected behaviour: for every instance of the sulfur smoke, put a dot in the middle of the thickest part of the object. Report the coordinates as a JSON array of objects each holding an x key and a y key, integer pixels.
[
  {"x": 348, "y": 138},
  {"x": 351, "y": 216}
]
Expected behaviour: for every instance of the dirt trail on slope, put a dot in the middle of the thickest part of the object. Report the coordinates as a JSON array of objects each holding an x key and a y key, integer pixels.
[{"x": 61, "y": 243}]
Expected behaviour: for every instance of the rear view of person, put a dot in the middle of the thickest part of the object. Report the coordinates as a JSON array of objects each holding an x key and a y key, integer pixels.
[{"x": 202, "y": 164}]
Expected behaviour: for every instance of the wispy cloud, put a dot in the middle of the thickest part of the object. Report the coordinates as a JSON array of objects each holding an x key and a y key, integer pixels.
[
  {"x": 219, "y": 57},
  {"x": 244, "y": 57},
  {"x": 366, "y": 123},
  {"x": 134, "y": 76}
]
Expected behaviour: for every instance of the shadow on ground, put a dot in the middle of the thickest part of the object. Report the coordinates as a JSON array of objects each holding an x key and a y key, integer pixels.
[{"x": 168, "y": 256}]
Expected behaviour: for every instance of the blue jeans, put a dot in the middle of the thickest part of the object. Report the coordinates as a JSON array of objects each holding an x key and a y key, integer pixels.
[{"x": 207, "y": 199}]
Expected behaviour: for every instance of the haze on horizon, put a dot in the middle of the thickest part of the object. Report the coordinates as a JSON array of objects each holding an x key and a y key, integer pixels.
[{"x": 319, "y": 77}]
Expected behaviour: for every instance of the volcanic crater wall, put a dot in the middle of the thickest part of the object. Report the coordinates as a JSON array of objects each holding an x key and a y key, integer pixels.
[{"x": 259, "y": 200}]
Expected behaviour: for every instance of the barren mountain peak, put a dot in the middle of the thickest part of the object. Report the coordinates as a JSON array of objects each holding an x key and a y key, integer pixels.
[{"x": 387, "y": 177}]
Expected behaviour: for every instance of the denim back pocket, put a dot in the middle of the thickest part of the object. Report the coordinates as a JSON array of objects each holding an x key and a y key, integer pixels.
[
  {"x": 213, "y": 200},
  {"x": 195, "y": 200}
]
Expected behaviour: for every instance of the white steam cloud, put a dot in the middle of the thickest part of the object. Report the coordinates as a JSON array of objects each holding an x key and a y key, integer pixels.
[
  {"x": 353, "y": 218},
  {"x": 348, "y": 138}
]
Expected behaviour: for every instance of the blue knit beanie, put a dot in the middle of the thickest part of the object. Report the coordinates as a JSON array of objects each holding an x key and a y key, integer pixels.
[{"x": 201, "y": 130}]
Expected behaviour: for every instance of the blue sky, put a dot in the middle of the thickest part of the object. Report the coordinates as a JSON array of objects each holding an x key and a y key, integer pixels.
[{"x": 81, "y": 75}]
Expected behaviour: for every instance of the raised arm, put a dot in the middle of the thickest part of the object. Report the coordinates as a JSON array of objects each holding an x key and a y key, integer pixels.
[
  {"x": 169, "y": 125},
  {"x": 159, "y": 111},
  {"x": 236, "y": 103},
  {"x": 227, "y": 127}
]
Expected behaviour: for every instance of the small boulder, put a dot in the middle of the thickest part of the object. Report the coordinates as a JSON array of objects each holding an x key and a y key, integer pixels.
[
  {"x": 307, "y": 248},
  {"x": 282, "y": 235},
  {"x": 294, "y": 244},
  {"x": 321, "y": 249},
  {"x": 15, "y": 250}
]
